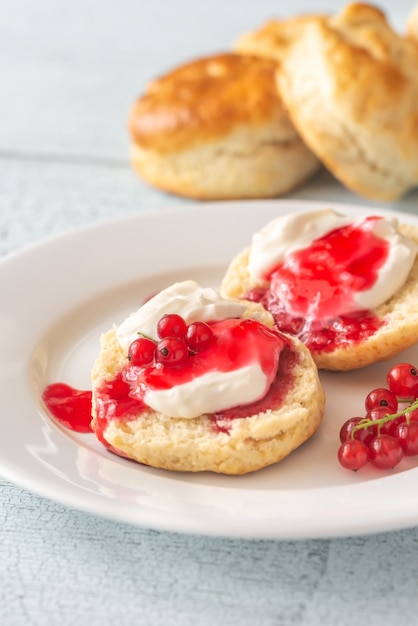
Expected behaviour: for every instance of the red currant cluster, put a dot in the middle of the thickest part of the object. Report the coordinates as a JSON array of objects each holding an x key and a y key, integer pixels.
[
  {"x": 177, "y": 341},
  {"x": 389, "y": 429}
]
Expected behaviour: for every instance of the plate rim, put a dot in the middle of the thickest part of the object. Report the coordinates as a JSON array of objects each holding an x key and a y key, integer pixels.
[{"x": 99, "y": 506}]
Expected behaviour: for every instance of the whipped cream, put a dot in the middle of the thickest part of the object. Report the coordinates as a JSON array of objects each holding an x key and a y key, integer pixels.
[
  {"x": 188, "y": 299},
  {"x": 287, "y": 234},
  {"x": 213, "y": 390}
]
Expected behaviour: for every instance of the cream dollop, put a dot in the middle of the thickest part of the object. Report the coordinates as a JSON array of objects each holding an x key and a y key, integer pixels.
[
  {"x": 297, "y": 231},
  {"x": 288, "y": 233},
  {"x": 186, "y": 298},
  {"x": 214, "y": 390}
]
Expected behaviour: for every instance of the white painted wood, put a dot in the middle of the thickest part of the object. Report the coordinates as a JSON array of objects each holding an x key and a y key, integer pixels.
[{"x": 69, "y": 72}]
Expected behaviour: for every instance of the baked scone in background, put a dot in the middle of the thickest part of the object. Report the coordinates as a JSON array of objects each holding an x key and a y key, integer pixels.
[
  {"x": 350, "y": 84},
  {"x": 216, "y": 128},
  {"x": 338, "y": 90},
  {"x": 271, "y": 40},
  {"x": 412, "y": 23}
]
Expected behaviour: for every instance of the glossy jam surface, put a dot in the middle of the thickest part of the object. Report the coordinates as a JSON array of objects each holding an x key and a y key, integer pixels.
[
  {"x": 275, "y": 397},
  {"x": 71, "y": 407},
  {"x": 309, "y": 293},
  {"x": 122, "y": 397},
  {"x": 238, "y": 342},
  {"x": 324, "y": 279}
]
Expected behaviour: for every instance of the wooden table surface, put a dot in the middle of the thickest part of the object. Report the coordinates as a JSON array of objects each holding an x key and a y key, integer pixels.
[{"x": 69, "y": 72}]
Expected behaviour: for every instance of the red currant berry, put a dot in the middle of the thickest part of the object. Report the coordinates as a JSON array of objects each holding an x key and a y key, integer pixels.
[
  {"x": 403, "y": 380},
  {"x": 385, "y": 452},
  {"x": 407, "y": 435},
  {"x": 353, "y": 454},
  {"x": 172, "y": 351},
  {"x": 141, "y": 351},
  {"x": 347, "y": 428},
  {"x": 413, "y": 415},
  {"x": 199, "y": 335},
  {"x": 382, "y": 398},
  {"x": 375, "y": 415},
  {"x": 390, "y": 427},
  {"x": 171, "y": 325},
  {"x": 364, "y": 434}
]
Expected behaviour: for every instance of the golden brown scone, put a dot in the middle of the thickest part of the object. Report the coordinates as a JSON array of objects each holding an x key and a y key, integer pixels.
[
  {"x": 215, "y": 128},
  {"x": 271, "y": 40},
  {"x": 412, "y": 23},
  {"x": 351, "y": 88},
  {"x": 236, "y": 446},
  {"x": 400, "y": 316}
]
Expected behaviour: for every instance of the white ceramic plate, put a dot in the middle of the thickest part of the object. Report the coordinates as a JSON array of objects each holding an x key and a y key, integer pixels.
[{"x": 56, "y": 299}]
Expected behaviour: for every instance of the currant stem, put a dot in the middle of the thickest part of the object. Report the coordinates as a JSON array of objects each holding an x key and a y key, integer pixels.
[
  {"x": 365, "y": 423},
  {"x": 138, "y": 332}
]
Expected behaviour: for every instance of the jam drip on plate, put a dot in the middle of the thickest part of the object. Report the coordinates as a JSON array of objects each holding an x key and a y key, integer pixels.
[
  {"x": 238, "y": 342},
  {"x": 71, "y": 407}
]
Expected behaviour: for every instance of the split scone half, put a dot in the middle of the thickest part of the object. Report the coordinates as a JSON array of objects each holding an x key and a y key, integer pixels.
[
  {"x": 345, "y": 286},
  {"x": 241, "y": 400},
  {"x": 350, "y": 85},
  {"x": 216, "y": 128}
]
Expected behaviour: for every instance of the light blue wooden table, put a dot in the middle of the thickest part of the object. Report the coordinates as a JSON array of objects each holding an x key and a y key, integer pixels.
[{"x": 69, "y": 72}]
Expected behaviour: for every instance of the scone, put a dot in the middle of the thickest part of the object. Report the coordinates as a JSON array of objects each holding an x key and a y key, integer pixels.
[
  {"x": 412, "y": 23},
  {"x": 215, "y": 128},
  {"x": 347, "y": 287},
  {"x": 350, "y": 84},
  {"x": 242, "y": 397},
  {"x": 271, "y": 40}
]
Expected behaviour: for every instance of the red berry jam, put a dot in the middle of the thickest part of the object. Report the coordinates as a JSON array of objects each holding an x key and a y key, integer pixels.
[
  {"x": 69, "y": 406},
  {"x": 72, "y": 407},
  {"x": 236, "y": 343},
  {"x": 278, "y": 391},
  {"x": 310, "y": 292}
]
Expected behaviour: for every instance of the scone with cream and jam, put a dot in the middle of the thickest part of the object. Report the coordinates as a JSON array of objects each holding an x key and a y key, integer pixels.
[
  {"x": 345, "y": 286},
  {"x": 195, "y": 382}
]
